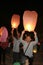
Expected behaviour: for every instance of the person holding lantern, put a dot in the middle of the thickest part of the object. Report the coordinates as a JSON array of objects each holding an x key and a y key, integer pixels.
[
  {"x": 15, "y": 21},
  {"x": 28, "y": 38},
  {"x": 29, "y": 23},
  {"x": 16, "y": 42}
]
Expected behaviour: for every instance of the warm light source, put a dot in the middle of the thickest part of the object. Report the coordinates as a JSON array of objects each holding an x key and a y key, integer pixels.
[
  {"x": 1, "y": 30},
  {"x": 4, "y": 34},
  {"x": 15, "y": 21},
  {"x": 35, "y": 49},
  {"x": 29, "y": 27},
  {"x": 29, "y": 20}
]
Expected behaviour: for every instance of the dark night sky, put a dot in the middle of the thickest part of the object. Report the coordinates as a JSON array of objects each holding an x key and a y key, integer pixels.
[{"x": 10, "y": 7}]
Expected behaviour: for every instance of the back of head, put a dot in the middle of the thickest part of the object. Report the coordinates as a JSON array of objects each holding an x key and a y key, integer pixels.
[
  {"x": 15, "y": 33},
  {"x": 32, "y": 35}
]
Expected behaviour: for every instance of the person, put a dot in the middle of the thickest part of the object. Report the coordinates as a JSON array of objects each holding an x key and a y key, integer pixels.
[
  {"x": 3, "y": 44},
  {"x": 16, "y": 42},
  {"x": 23, "y": 59},
  {"x": 3, "y": 47},
  {"x": 10, "y": 41},
  {"x": 26, "y": 62},
  {"x": 9, "y": 47},
  {"x": 31, "y": 39}
]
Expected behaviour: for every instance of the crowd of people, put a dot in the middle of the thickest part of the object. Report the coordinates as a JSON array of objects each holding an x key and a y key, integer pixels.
[
  {"x": 21, "y": 43},
  {"x": 29, "y": 39}
]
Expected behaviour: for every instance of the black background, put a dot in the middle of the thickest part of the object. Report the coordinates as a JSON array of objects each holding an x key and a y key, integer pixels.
[{"x": 8, "y": 8}]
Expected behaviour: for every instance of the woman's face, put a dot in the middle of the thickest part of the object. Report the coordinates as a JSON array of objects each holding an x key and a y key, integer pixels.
[{"x": 28, "y": 39}]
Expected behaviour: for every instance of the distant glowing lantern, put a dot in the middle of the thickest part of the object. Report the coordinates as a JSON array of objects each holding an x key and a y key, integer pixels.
[
  {"x": 1, "y": 30},
  {"x": 15, "y": 21},
  {"x": 35, "y": 49},
  {"x": 29, "y": 20},
  {"x": 4, "y": 35}
]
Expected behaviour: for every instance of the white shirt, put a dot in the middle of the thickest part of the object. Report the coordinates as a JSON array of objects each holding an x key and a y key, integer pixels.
[
  {"x": 29, "y": 51},
  {"x": 16, "y": 43}
]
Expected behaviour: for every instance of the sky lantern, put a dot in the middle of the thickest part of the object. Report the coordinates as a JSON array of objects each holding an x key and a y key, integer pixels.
[
  {"x": 1, "y": 30},
  {"x": 29, "y": 20},
  {"x": 35, "y": 49},
  {"x": 4, "y": 35},
  {"x": 15, "y": 21}
]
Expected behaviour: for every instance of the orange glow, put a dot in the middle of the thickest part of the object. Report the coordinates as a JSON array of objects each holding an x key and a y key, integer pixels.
[
  {"x": 1, "y": 31},
  {"x": 3, "y": 34},
  {"x": 29, "y": 27},
  {"x": 29, "y": 20},
  {"x": 15, "y": 21},
  {"x": 35, "y": 50}
]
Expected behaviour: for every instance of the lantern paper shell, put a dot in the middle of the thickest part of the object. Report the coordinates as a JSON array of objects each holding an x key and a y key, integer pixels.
[
  {"x": 15, "y": 21},
  {"x": 29, "y": 20},
  {"x": 1, "y": 31},
  {"x": 4, "y": 35}
]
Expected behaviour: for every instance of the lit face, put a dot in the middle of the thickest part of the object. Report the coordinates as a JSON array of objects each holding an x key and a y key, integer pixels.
[{"x": 28, "y": 39}]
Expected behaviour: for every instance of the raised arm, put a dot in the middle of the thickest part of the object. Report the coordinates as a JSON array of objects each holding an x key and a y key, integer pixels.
[
  {"x": 22, "y": 34},
  {"x": 21, "y": 38},
  {"x": 36, "y": 38}
]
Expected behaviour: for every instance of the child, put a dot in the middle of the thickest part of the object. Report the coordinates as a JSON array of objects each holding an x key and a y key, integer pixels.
[{"x": 26, "y": 62}]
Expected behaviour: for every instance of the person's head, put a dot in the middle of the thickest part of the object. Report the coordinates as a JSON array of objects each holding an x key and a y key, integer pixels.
[
  {"x": 28, "y": 36},
  {"x": 21, "y": 48},
  {"x": 15, "y": 33},
  {"x": 26, "y": 62}
]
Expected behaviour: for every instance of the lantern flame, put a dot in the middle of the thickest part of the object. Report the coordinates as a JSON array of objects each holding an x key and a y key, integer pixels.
[
  {"x": 29, "y": 27},
  {"x": 13, "y": 25},
  {"x": 34, "y": 50},
  {"x": 1, "y": 31}
]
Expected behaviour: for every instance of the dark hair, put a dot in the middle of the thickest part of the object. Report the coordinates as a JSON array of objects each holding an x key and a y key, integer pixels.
[
  {"x": 27, "y": 33},
  {"x": 32, "y": 35},
  {"x": 21, "y": 44},
  {"x": 15, "y": 33},
  {"x": 21, "y": 48}
]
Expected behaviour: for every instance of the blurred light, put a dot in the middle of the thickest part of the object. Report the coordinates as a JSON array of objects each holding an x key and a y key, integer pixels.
[{"x": 29, "y": 20}]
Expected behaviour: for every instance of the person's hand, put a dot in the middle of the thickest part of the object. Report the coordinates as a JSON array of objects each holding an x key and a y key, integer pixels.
[
  {"x": 23, "y": 31},
  {"x": 35, "y": 33}
]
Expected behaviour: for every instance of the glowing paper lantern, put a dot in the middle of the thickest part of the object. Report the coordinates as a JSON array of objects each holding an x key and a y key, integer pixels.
[
  {"x": 4, "y": 35},
  {"x": 35, "y": 49},
  {"x": 30, "y": 20},
  {"x": 15, "y": 21},
  {"x": 1, "y": 32}
]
